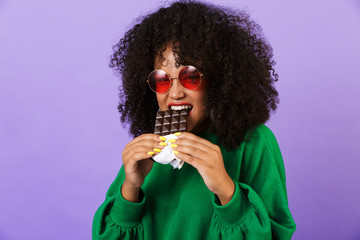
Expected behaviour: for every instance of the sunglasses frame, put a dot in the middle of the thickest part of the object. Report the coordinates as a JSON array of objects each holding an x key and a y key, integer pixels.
[{"x": 171, "y": 79}]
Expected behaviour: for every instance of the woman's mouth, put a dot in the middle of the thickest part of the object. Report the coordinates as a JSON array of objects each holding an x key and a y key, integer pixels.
[{"x": 181, "y": 107}]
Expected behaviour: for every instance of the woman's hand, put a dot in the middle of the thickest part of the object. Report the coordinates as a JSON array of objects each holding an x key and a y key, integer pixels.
[
  {"x": 207, "y": 159},
  {"x": 137, "y": 163}
]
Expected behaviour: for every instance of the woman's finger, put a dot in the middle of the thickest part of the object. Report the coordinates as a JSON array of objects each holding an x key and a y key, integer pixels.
[
  {"x": 191, "y": 143},
  {"x": 150, "y": 143},
  {"x": 138, "y": 153},
  {"x": 193, "y": 137},
  {"x": 193, "y": 161},
  {"x": 193, "y": 151},
  {"x": 147, "y": 136}
]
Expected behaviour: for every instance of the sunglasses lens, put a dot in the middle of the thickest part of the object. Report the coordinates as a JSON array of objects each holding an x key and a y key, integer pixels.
[
  {"x": 190, "y": 77},
  {"x": 159, "y": 81}
]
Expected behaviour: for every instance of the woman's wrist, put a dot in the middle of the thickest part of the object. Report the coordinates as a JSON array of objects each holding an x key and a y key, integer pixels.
[
  {"x": 129, "y": 193},
  {"x": 228, "y": 192}
]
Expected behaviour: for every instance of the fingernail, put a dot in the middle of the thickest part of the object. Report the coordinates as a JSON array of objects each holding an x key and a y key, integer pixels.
[
  {"x": 176, "y": 152},
  {"x": 173, "y": 145},
  {"x": 162, "y": 138},
  {"x": 177, "y": 133},
  {"x": 172, "y": 140},
  {"x": 163, "y": 144},
  {"x": 157, "y": 150},
  {"x": 150, "y": 153}
]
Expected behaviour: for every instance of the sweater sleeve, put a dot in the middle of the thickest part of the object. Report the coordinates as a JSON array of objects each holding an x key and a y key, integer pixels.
[
  {"x": 259, "y": 207},
  {"x": 118, "y": 218}
]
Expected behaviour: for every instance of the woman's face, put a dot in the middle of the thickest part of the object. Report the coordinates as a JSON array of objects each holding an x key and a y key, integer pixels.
[{"x": 178, "y": 95}]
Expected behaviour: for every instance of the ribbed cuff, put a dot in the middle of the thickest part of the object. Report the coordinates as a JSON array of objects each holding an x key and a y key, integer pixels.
[
  {"x": 125, "y": 213},
  {"x": 235, "y": 211}
]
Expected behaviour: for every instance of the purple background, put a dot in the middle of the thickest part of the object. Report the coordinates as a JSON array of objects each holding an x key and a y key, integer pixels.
[{"x": 61, "y": 139}]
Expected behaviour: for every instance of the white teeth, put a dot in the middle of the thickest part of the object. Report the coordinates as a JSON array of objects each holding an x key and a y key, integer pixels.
[{"x": 180, "y": 107}]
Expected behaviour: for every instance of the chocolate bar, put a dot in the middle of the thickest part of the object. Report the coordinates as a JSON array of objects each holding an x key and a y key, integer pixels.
[{"x": 171, "y": 121}]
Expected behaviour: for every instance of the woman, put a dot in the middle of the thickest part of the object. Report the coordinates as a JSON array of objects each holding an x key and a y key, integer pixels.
[{"x": 232, "y": 185}]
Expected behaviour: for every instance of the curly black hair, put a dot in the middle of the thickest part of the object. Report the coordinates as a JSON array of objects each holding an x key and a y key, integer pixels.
[{"x": 226, "y": 45}]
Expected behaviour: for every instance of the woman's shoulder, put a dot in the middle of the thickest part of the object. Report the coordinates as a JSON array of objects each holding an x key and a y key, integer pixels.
[
  {"x": 262, "y": 138},
  {"x": 260, "y": 132},
  {"x": 263, "y": 132}
]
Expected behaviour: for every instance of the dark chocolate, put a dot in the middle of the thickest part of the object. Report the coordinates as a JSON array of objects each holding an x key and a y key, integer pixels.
[{"x": 171, "y": 121}]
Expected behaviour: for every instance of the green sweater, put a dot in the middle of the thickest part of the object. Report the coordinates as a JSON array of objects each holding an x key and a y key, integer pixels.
[{"x": 176, "y": 204}]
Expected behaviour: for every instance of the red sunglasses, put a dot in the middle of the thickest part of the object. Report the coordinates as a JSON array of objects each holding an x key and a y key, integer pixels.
[{"x": 160, "y": 82}]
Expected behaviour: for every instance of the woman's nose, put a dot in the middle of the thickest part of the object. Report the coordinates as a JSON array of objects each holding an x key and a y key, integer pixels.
[{"x": 177, "y": 90}]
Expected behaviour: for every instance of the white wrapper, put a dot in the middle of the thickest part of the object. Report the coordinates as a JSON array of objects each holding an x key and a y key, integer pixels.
[{"x": 167, "y": 156}]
